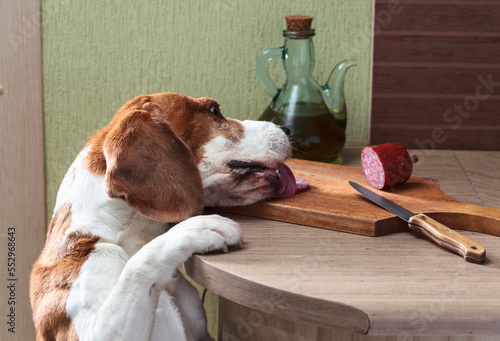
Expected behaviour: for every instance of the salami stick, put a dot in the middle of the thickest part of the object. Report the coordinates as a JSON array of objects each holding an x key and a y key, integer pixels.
[{"x": 386, "y": 165}]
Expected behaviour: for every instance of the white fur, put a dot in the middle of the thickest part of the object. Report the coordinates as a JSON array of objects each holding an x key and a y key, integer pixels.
[{"x": 130, "y": 288}]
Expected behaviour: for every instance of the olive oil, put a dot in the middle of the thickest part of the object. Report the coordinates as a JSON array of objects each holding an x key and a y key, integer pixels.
[
  {"x": 315, "y": 114},
  {"x": 315, "y": 133}
]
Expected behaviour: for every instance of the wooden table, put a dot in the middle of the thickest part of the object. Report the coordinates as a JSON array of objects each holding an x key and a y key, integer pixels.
[{"x": 293, "y": 282}]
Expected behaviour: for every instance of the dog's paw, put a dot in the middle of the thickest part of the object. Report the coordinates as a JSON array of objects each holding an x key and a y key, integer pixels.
[{"x": 202, "y": 234}]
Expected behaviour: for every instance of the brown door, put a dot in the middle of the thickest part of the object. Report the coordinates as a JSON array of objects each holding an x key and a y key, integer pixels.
[
  {"x": 436, "y": 74},
  {"x": 22, "y": 197}
]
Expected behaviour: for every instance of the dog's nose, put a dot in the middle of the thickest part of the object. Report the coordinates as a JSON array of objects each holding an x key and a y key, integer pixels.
[{"x": 286, "y": 130}]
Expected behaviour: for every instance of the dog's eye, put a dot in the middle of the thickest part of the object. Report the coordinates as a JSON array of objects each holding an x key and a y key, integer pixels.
[{"x": 215, "y": 110}]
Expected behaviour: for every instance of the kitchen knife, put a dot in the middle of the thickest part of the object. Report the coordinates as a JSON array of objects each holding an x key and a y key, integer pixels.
[{"x": 439, "y": 233}]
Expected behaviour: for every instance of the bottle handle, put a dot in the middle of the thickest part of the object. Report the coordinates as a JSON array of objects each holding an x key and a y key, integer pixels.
[{"x": 261, "y": 68}]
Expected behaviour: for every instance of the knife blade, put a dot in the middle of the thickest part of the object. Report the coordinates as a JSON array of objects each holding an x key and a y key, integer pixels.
[{"x": 439, "y": 233}]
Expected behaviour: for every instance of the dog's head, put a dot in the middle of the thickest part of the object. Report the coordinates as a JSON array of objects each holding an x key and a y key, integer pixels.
[{"x": 169, "y": 155}]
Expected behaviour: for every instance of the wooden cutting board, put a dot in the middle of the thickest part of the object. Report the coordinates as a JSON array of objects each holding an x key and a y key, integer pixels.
[{"x": 331, "y": 203}]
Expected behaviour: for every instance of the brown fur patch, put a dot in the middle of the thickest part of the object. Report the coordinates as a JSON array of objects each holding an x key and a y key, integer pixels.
[
  {"x": 53, "y": 275},
  {"x": 189, "y": 118},
  {"x": 236, "y": 131},
  {"x": 95, "y": 161},
  {"x": 55, "y": 233},
  {"x": 194, "y": 122},
  {"x": 150, "y": 151},
  {"x": 150, "y": 168}
]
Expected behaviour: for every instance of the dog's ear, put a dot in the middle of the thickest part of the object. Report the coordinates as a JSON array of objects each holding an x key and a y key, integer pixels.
[{"x": 150, "y": 168}]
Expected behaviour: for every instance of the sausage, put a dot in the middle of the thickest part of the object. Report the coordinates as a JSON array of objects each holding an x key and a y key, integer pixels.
[
  {"x": 386, "y": 165},
  {"x": 302, "y": 185}
]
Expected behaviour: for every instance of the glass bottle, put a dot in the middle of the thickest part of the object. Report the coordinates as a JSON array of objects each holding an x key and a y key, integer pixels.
[{"x": 314, "y": 114}]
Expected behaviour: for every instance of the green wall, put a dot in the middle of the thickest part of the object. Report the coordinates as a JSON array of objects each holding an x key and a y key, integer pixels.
[{"x": 99, "y": 54}]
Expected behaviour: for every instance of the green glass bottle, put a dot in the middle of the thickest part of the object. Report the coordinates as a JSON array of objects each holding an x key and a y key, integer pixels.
[{"x": 314, "y": 114}]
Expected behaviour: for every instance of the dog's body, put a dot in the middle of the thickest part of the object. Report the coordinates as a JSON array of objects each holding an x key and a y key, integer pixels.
[{"x": 108, "y": 270}]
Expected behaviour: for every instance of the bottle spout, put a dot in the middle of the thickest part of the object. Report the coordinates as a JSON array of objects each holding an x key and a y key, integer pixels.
[{"x": 333, "y": 93}]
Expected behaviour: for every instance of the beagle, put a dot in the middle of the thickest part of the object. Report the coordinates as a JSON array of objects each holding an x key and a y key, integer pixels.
[{"x": 109, "y": 267}]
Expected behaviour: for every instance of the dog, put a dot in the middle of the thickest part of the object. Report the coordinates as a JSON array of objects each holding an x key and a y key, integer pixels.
[{"x": 129, "y": 212}]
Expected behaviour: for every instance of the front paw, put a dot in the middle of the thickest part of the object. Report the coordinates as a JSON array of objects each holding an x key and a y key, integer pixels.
[{"x": 208, "y": 233}]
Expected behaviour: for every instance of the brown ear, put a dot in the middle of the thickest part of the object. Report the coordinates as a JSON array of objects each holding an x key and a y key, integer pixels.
[{"x": 150, "y": 168}]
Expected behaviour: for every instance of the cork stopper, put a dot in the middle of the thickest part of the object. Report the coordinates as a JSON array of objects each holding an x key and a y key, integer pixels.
[{"x": 298, "y": 23}]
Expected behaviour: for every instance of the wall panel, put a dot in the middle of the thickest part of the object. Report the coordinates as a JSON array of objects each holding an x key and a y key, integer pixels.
[{"x": 436, "y": 67}]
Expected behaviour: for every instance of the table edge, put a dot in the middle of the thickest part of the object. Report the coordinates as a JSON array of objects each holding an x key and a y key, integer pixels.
[{"x": 273, "y": 301}]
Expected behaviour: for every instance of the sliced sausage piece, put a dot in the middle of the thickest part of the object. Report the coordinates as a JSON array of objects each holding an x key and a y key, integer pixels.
[
  {"x": 302, "y": 185},
  {"x": 386, "y": 165}
]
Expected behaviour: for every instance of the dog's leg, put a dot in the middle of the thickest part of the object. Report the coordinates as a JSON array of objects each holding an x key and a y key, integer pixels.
[
  {"x": 191, "y": 308},
  {"x": 105, "y": 305}
]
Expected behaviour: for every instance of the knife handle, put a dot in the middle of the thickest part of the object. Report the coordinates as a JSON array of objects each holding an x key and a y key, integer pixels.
[{"x": 446, "y": 237}]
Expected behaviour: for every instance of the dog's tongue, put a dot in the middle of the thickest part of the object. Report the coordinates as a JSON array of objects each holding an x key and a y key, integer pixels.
[{"x": 289, "y": 184}]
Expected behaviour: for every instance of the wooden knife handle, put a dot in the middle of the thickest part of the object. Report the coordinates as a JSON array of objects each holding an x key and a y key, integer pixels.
[{"x": 446, "y": 237}]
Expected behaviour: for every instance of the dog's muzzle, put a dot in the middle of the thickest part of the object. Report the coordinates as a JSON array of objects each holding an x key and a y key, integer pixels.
[{"x": 281, "y": 178}]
